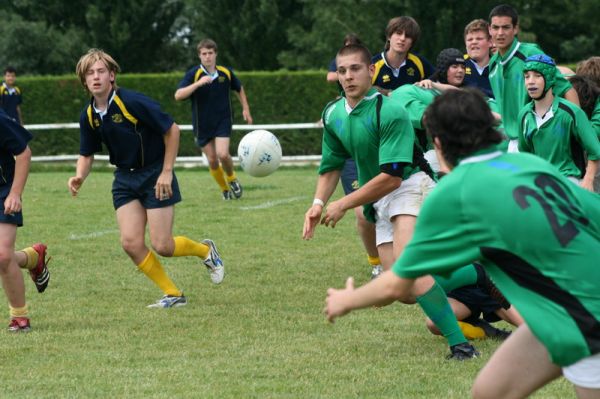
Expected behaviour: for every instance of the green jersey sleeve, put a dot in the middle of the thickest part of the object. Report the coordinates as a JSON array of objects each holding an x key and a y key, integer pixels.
[
  {"x": 595, "y": 120},
  {"x": 586, "y": 134},
  {"x": 333, "y": 152},
  {"x": 444, "y": 237},
  {"x": 523, "y": 129}
]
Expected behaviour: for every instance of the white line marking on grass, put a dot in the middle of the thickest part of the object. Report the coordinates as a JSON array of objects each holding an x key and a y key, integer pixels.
[
  {"x": 270, "y": 204},
  {"x": 93, "y": 234}
]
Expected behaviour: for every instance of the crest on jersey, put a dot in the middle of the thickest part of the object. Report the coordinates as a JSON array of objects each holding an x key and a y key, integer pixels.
[
  {"x": 117, "y": 118},
  {"x": 410, "y": 71},
  {"x": 221, "y": 79},
  {"x": 385, "y": 78},
  {"x": 96, "y": 122}
]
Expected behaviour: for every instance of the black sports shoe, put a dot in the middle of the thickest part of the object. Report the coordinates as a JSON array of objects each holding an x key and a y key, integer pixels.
[
  {"x": 227, "y": 195},
  {"x": 487, "y": 285},
  {"x": 464, "y": 351},
  {"x": 236, "y": 188}
]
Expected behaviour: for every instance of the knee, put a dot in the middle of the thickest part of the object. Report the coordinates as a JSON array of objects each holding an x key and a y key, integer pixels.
[
  {"x": 213, "y": 162},
  {"x": 5, "y": 258},
  {"x": 432, "y": 327},
  {"x": 481, "y": 390},
  {"x": 132, "y": 246},
  {"x": 223, "y": 155},
  {"x": 164, "y": 247}
]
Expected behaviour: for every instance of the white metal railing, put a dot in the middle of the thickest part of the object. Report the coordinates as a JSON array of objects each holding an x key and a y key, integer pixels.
[{"x": 185, "y": 161}]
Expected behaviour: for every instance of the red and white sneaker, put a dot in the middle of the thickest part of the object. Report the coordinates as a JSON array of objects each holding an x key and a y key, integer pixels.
[
  {"x": 40, "y": 274},
  {"x": 19, "y": 324}
]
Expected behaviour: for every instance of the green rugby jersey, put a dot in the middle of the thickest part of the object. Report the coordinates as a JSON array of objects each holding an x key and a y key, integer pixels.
[
  {"x": 416, "y": 100},
  {"x": 596, "y": 117},
  {"x": 356, "y": 135},
  {"x": 508, "y": 83},
  {"x": 536, "y": 233},
  {"x": 561, "y": 139}
]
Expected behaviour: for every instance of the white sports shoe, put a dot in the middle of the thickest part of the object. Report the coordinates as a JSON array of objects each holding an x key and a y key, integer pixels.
[{"x": 214, "y": 263}]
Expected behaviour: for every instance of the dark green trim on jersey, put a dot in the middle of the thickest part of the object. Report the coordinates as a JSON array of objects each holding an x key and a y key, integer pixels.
[{"x": 530, "y": 278}]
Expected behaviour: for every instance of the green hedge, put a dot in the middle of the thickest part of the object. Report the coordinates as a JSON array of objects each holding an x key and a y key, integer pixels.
[{"x": 274, "y": 97}]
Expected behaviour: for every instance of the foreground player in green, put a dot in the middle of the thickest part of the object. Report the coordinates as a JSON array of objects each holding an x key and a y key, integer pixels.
[
  {"x": 535, "y": 232},
  {"x": 375, "y": 131}
]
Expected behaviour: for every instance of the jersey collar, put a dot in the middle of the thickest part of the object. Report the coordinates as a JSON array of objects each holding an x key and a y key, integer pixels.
[
  {"x": 482, "y": 155},
  {"x": 371, "y": 94},
  {"x": 212, "y": 75},
  {"x": 111, "y": 97}
]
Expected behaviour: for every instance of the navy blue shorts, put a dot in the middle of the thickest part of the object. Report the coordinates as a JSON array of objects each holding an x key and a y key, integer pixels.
[
  {"x": 349, "y": 177},
  {"x": 14, "y": 218},
  {"x": 138, "y": 184},
  {"x": 206, "y": 134},
  {"x": 478, "y": 302}
]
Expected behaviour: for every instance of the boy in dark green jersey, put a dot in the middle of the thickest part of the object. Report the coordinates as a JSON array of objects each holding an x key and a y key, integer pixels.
[
  {"x": 506, "y": 70},
  {"x": 555, "y": 129},
  {"x": 375, "y": 131},
  {"x": 535, "y": 233}
]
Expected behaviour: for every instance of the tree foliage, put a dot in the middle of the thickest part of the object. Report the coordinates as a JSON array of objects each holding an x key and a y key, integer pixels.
[{"x": 47, "y": 37}]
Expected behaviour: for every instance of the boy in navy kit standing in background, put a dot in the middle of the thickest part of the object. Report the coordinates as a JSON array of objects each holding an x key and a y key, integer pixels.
[{"x": 10, "y": 95}]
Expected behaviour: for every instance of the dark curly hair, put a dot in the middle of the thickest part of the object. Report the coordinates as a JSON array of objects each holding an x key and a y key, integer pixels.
[{"x": 462, "y": 122}]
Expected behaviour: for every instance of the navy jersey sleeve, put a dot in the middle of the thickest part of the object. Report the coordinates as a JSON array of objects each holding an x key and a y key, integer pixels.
[
  {"x": 235, "y": 82},
  {"x": 332, "y": 66},
  {"x": 13, "y": 137},
  {"x": 89, "y": 140},
  {"x": 147, "y": 110},
  {"x": 188, "y": 78}
]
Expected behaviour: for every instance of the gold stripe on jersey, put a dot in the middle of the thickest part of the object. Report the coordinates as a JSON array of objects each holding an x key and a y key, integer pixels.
[
  {"x": 378, "y": 65},
  {"x": 417, "y": 61},
  {"x": 123, "y": 109},
  {"x": 225, "y": 71}
]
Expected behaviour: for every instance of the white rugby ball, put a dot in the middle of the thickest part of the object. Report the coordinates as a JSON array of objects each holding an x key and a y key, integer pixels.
[{"x": 259, "y": 153}]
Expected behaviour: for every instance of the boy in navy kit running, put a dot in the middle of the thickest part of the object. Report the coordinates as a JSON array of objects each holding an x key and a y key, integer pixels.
[
  {"x": 142, "y": 142},
  {"x": 209, "y": 85},
  {"x": 15, "y": 158}
]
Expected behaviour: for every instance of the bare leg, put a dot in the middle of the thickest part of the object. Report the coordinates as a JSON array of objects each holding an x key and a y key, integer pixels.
[
  {"x": 132, "y": 224},
  {"x": 160, "y": 226},
  {"x": 520, "y": 366},
  {"x": 587, "y": 393},
  {"x": 12, "y": 278},
  {"x": 211, "y": 154},
  {"x": 222, "y": 148},
  {"x": 366, "y": 231}
]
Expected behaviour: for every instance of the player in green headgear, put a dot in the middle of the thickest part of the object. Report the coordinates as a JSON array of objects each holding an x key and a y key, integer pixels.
[
  {"x": 546, "y": 67},
  {"x": 554, "y": 128}
]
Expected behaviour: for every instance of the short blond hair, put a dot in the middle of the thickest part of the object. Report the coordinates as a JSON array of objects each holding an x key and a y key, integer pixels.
[
  {"x": 590, "y": 68},
  {"x": 90, "y": 58}
]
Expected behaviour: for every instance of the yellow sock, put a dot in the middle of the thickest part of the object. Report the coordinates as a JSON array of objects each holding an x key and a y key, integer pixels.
[
  {"x": 153, "y": 269},
  {"x": 32, "y": 258},
  {"x": 19, "y": 312},
  {"x": 374, "y": 260},
  {"x": 218, "y": 175},
  {"x": 470, "y": 331},
  {"x": 231, "y": 177},
  {"x": 186, "y": 247}
]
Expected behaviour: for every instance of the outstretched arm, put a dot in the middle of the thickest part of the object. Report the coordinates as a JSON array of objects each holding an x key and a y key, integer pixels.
[
  {"x": 163, "y": 188},
  {"x": 325, "y": 187},
  {"x": 245, "y": 107},
  {"x": 376, "y": 188},
  {"x": 185, "y": 92},
  {"x": 381, "y": 291},
  {"x": 84, "y": 166},
  {"x": 12, "y": 203}
]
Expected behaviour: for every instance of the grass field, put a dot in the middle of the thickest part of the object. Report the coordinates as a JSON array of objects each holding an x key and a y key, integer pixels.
[{"x": 260, "y": 334}]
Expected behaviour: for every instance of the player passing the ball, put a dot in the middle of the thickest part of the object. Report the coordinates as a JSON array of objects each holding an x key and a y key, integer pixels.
[
  {"x": 142, "y": 142},
  {"x": 536, "y": 234},
  {"x": 375, "y": 131}
]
